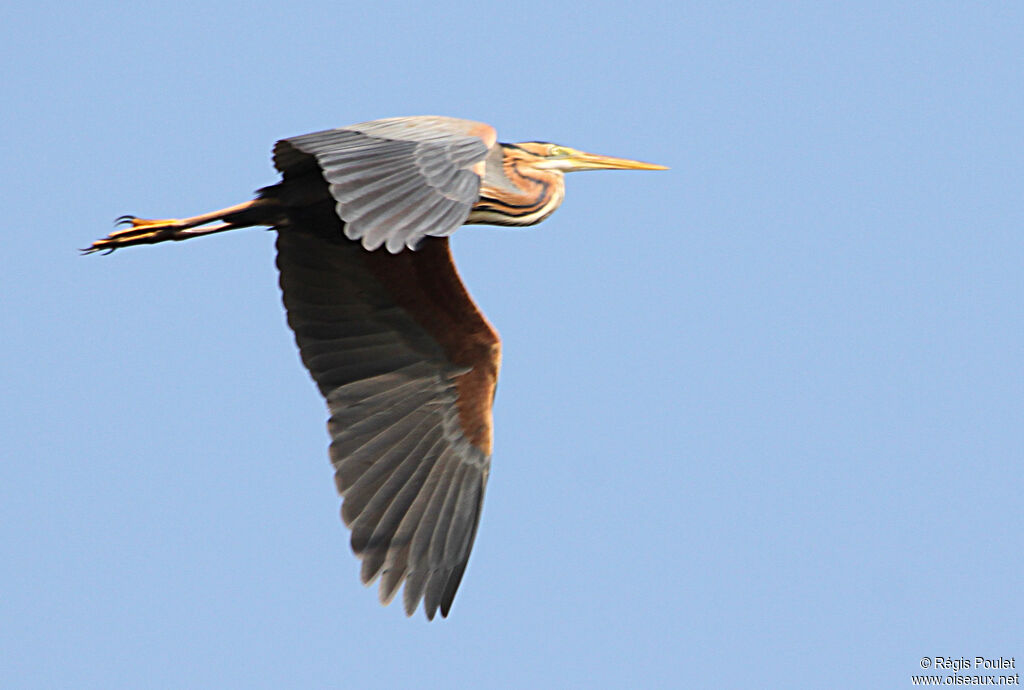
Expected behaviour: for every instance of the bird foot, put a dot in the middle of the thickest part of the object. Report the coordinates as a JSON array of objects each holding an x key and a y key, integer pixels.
[{"x": 140, "y": 231}]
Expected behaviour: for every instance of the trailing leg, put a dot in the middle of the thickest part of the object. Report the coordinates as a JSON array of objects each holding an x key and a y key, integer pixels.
[{"x": 147, "y": 231}]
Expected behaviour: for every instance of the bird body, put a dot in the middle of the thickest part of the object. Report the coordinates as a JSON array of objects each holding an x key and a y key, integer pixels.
[{"x": 405, "y": 360}]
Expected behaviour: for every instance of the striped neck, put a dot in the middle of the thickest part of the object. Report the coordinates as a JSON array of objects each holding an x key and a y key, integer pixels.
[{"x": 512, "y": 192}]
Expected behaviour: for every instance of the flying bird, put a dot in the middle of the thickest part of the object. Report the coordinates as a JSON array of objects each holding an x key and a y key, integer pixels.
[{"x": 405, "y": 360}]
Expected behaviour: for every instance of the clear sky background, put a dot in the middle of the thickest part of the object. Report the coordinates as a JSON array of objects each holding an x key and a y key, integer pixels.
[{"x": 760, "y": 417}]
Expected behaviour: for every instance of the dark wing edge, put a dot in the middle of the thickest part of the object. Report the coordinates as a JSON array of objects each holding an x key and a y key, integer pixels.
[
  {"x": 410, "y": 409},
  {"x": 398, "y": 180}
]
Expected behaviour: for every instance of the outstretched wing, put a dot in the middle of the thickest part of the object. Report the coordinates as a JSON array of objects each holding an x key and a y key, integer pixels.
[
  {"x": 397, "y": 180},
  {"x": 408, "y": 366}
]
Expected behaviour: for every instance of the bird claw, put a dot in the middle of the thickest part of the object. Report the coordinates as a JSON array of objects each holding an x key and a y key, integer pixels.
[
  {"x": 140, "y": 231},
  {"x": 94, "y": 249}
]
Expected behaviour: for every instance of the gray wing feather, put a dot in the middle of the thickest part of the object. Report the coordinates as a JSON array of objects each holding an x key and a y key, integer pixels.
[
  {"x": 379, "y": 173},
  {"x": 381, "y": 539},
  {"x": 412, "y": 483},
  {"x": 396, "y": 565},
  {"x": 419, "y": 561}
]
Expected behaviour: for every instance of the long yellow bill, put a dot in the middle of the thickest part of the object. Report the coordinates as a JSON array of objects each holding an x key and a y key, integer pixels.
[{"x": 593, "y": 161}]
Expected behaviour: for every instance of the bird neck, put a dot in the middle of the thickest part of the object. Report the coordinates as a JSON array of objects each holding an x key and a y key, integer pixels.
[{"x": 512, "y": 192}]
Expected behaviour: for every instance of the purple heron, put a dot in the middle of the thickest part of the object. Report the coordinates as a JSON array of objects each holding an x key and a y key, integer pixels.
[{"x": 405, "y": 360}]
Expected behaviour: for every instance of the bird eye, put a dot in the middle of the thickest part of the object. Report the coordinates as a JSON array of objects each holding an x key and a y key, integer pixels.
[{"x": 559, "y": 151}]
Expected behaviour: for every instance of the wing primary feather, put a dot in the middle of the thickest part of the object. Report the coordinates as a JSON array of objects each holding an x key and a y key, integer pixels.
[
  {"x": 409, "y": 452},
  {"x": 397, "y": 561},
  {"x": 436, "y": 565},
  {"x": 388, "y": 506},
  {"x": 353, "y": 450},
  {"x": 422, "y": 525},
  {"x": 452, "y": 586},
  {"x": 388, "y": 527},
  {"x": 466, "y": 507},
  {"x": 387, "y": 453}
]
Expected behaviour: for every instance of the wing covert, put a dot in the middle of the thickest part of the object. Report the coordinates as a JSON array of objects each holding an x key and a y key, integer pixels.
[{"x": 408, "y": 367}]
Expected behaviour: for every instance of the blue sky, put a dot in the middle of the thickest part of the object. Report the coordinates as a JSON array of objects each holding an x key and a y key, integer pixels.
[{"x": 759, "y": 422}]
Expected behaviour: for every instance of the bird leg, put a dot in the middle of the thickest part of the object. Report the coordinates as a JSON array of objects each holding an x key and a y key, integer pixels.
[{"x": 151, "y": 231}]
